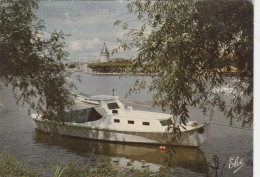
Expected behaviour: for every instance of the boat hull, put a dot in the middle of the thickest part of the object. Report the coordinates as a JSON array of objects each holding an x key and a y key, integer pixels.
[{"x": 194, "y": 137}]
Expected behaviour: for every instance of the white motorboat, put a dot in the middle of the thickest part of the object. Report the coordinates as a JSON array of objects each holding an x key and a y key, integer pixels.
[{"x": 104, "y": 117}]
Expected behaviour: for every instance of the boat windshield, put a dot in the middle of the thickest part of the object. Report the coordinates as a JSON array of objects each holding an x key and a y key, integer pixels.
[{"x": 166, "y": 122}]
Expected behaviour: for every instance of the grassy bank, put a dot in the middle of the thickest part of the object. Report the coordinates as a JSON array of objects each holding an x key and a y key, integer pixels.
[{"x": 11, "y": 167}]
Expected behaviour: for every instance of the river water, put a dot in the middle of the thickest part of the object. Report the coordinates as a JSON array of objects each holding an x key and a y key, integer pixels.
[{"x": 18, "y": 136}]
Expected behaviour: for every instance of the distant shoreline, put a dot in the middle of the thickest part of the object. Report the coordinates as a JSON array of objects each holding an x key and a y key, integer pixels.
[
  {"x": 107, "y": 74},
  {"x": 227, "y": 74}
]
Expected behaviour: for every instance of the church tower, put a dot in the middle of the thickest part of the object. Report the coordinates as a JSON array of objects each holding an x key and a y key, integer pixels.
[{"x": 104, "y": 55}]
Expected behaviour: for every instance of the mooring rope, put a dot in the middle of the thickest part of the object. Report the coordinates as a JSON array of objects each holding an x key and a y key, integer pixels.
[{"x": 231, "y": 126}]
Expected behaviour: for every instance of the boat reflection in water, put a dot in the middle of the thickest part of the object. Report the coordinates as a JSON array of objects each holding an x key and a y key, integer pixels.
[{"x": 130, "y": 155}]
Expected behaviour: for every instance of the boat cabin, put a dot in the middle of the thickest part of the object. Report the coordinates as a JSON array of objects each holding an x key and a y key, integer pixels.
[
  {"x": 110, "y": 104},
  {"x": 92, "y": 108}
]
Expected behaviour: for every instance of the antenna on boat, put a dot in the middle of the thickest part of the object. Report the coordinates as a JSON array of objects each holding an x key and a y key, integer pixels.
[{"x": 114, "y": 91}]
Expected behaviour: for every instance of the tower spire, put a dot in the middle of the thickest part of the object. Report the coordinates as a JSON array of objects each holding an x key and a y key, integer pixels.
[{"x": 104, "y": 54}]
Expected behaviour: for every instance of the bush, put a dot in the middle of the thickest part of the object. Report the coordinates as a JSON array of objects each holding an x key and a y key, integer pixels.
[{"x": 72, "y": 65}]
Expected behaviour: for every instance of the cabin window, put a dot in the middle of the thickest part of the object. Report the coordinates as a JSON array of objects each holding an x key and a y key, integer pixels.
[
  {"x": 166, "y": 122},
  {"x": 114, "y": 111},
  {"x": 116, "y": 120},
  {"x": 131, "y": 122},
  {"x": 112, "y": 106},
  {"x": 146, "y": 123}
]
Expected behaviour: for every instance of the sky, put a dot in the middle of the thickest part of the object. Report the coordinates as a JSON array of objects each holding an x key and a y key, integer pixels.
[{"x": 90, "y": 24}]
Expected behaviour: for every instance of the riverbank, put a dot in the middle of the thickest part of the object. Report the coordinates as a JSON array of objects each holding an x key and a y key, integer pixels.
[{"x": 10, "y": 166}]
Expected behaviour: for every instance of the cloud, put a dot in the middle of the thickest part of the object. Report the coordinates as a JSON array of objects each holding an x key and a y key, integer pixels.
[
  {"x": 93, "y": 44},
  {"x": 76, "y": 46},
  {"x": 83, "y": 45}
]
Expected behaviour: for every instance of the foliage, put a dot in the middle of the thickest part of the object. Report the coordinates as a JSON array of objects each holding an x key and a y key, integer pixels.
[
  {"x": 72, "y": 65},
  {"x": 32, "y": 63},
  {"x": 216, "y": 167},
  {"x": 143, "y": 173},
  {"x": 110, "y": 67},
  {"x": 9, "y": 166},
  {"x": 76, "y": 169},
  {"x": 187, "y": 43}
]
